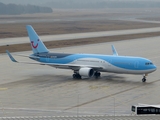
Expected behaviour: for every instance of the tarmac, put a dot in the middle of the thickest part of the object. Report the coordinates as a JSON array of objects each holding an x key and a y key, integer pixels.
[
  {"x": 31, "y": 91},
  {"x": 83, "y": 118},
  {"x": 76, "y": 36}
]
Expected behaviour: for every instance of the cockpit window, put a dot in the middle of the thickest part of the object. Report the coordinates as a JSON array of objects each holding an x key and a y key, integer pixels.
[{"x": 148, "y": 63}]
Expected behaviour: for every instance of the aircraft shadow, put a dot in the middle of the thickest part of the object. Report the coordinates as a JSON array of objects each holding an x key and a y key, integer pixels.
[{"x": 48, "y": 80}]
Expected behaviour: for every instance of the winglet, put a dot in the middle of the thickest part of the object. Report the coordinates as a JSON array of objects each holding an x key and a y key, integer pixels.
[
  {"x": 114, "y": 51},
  {"x": 10, "y": 56}
]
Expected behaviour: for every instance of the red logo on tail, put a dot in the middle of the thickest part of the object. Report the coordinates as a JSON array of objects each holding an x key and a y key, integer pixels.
[{"x": 34, "y": 46}]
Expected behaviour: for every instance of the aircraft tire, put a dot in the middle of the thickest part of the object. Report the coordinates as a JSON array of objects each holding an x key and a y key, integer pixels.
[
  {"x": 97, "y": 74},
  {"x": 76, "y": 76},
  {"x": 144, "y": 80}
]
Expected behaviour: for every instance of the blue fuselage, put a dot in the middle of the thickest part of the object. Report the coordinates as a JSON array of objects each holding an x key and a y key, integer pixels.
[{"x": 109, "y": 63}]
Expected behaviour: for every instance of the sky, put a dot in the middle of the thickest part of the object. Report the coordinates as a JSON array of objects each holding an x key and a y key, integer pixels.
[{"x": 46, "y": 1}]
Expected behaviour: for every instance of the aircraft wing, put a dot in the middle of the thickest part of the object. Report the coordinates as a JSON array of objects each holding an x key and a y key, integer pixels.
[
  {"x": 14, "y": 60},
  {"x": 114, "y": 51},
  {"x": 66, "y": 66},
  {"x": 73, "y": 66}
]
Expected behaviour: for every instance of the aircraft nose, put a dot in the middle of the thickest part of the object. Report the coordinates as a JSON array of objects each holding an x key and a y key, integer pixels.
[{"x": 154, "y": 67}]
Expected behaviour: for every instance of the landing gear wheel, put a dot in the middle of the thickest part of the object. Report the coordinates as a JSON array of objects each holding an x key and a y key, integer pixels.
[
  {"x": 76, "y": 76},
  {"x": 97, "y": 74},
  {"x": 144, "y": 79}
]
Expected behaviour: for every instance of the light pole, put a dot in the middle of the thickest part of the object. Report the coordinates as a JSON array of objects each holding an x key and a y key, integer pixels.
[{"x": 114, "y": 107}]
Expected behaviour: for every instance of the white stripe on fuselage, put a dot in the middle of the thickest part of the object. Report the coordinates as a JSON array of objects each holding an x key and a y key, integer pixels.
[{"x": 107, "y": 67}]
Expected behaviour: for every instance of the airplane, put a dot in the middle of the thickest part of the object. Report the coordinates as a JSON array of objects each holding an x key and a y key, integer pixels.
[{"x": 86, "y": 65}]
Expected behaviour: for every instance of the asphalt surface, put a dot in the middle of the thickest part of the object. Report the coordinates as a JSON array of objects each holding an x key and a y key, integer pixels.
[
  {"x": 34, "y": 90},
  {"x": 83, "y": 118},
  {"x": 20, "y": 40}
]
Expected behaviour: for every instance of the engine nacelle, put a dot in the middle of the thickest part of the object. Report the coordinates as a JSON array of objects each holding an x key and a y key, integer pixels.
[{"x": 87, "y": 72}]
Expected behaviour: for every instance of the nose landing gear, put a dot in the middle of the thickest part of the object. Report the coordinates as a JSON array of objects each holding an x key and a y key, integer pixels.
[{"x": 144, "y": 78}]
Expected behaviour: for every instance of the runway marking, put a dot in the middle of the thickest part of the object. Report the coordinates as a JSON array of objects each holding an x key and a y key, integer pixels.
[
  {"x": 89, "y": 117},
  {"x": 1, "y": 89},
  {"x": 58, "y": 111},
  {"x": 27, "y": 109},
  {"x": 108, "y": 96},
  {"x": 98, "y": 87}
]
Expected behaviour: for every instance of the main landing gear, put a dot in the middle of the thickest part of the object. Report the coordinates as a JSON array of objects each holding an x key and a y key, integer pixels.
[
  {"x": 97, "y": 74},
  {"x": 76, "y": 75}
]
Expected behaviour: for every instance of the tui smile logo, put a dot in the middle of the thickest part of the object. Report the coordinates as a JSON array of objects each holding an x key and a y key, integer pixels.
[{"x": 34, "y": 46}]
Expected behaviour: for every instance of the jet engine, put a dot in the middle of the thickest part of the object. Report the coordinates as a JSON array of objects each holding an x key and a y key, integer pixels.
[{"x": 87, "y": 72}]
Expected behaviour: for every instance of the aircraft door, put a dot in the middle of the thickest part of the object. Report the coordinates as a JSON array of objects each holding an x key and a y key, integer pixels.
[
  {"x": 136, "y": 64},
  {"x": 47, "y": 58}
]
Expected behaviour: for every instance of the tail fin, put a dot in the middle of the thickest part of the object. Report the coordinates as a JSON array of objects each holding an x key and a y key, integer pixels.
[{"x": 36, "y": 43}]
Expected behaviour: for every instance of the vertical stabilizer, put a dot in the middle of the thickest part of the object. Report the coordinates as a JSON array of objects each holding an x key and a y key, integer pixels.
[{"x": 36, "y": 43}]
